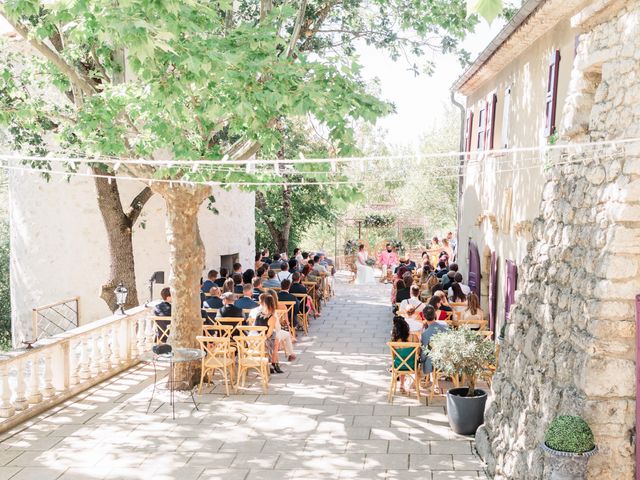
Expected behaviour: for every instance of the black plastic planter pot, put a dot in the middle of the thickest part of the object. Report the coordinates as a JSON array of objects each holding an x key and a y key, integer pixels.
[{"x": 466, "y": 414}]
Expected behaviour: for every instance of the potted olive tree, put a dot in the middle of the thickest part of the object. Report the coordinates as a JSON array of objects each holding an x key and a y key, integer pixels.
[
  {"x": 569, "y": 443},
  {"x": 465, "y": 353}
]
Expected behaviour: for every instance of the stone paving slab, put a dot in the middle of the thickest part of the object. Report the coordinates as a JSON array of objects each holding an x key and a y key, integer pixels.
[{"x": 326, "y": 417}]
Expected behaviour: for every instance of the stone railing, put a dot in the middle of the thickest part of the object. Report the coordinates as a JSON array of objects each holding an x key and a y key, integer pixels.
[{"x": 59, "y": 367}]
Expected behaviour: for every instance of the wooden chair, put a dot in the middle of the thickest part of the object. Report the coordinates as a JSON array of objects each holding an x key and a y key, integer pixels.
[
  {"x": 404, "y": 361},
  {"x": 233, "y": 322},
  {"x": 312, "y": 291},
  {"x": 211, "y": 313},
  {"x": 248, "y": 330},
  {"x": 218, "y": 357},
  {"x": 290, "y": 309},
  {"x": 222, "y": 331},
  {"x": 161, "y": 329},
  {"x": 252, "y": 355},
  {"x": 303, "y": 315}
]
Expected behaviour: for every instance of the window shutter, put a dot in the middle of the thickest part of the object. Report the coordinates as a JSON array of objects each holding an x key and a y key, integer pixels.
[
  {"x": 504, "y": 140},
  {"x": 482, "y": 125},
  {"x": 469, "y": 132},
  {"x": 491, "y": 119},
  {"x": 552, "y": 94}
]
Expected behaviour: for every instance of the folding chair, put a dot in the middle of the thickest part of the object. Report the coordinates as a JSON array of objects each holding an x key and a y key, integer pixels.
[
  {"x": 313, "y": 293},
  {"x": 161, "y": 329},
  {"x": 303, "y": 315},
  {"x": 210, "y": 313},
  {"x": 248, "y": 330},
  {"x": 252, "y": 355},
  {"x": 404, "y": 361},
  {"x": 222, "y": 331},
  {"x": 290, "y": 309},
  {"x": 218, "y": 357}
]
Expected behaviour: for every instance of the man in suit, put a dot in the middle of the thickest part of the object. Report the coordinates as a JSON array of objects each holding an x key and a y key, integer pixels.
[
  {"x": 214, "y": 300},
  {"x": 257, "y": 288},
  {"x": 298, "y": 286},
  {"x": 163, "y": 309},
  {"x": 223, "y": 276},
  {"x": 237, "y": 280},
  {"x": 285, "y": 296},
  {"x": 210, "y": 281},
  {"x": 245, "y": 302},
  {"x": 277, "y": 263},
  {"x": 228, "y": 308}
]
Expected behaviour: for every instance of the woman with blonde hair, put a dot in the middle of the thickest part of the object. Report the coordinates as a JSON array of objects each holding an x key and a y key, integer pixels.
[
  {"x": 473, "y": 311},
  {"x": 229, "y": 286},
  {"x": 282, "y": 336}
]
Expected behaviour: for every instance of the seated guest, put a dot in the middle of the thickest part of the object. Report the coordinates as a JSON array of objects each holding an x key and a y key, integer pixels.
[
  {"x": 473, "y": 310},
  {"x": 444, "y": 303},
  {"x": 433, "y": 326},
  {"x": 305, "y": 258},
  {"x": 447, "y": 280},
  {"x": 400, "y": 333},
  {"x": 257, "y": 288},
  {"x": 277, "y": 263},
  {"x": 453, "y": 267},
  {"x": 222, "y": 278},
  {"x": 297, "y": 256},
  {"x": 258, "y": 261},
  {"x": 262, "y": 272},
  {"x": 285, "y": 296},
  {"x": 210, "y": 281},
  {"x": 213, "y": 300},
  {"x": 229, "y": 310},
  {"x": 318, "y": 267},
  {"x": 163, "y": 309},
  {"x": 246, "y": 302},
  {"x": 404, "y": 289},
  {"x": 237, "y": 268},
  {"x": 282, "y": 336},
  {"x": 411, "y": 265},
  {"x": 412, "y": 306},
  {"x": 284, "y": 274},
  {"x": 265, "y": 257},
  {"x": 458, "y": 279},
  {"x": 293, "y": 266},
  {"x": 297, "y": 286},
  {"x": 247, "y": 277},
  {"x": 267, "y": 318},
  {"x": 272, "y": 281},
  {"x": 458, "y": 295},
  {"x": 229, "y": 286},
  {"x": 442, "y": 269},
  {"x": 306, "y": 270},
  {"x": 237, "y": 282}
]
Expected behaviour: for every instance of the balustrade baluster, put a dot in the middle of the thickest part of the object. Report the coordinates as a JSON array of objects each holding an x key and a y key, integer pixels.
[
  {"x": 35, "y": 396},
  {"x": 20, "y": 401},
  {"x": 85, "y": 373},
  {"x": 115, "y": 343},
  {"x": 150, "y": 333},
  {"x": 48, "y": 389},
  {"x": 73, "y": 364},
  {"x": 6, "y": 409},
  {"x": 95, "y": 354},
  {"x": 142, "y": 327},
  {"x": 106, "y": 349}
]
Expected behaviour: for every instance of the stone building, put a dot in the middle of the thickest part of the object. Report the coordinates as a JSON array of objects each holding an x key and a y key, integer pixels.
[{"x": 567, "y": 220}]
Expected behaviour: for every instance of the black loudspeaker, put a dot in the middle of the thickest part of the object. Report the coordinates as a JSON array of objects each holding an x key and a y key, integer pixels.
[
  {"x": 157, "y": 277},
  {"x": 161, "y": 349}
]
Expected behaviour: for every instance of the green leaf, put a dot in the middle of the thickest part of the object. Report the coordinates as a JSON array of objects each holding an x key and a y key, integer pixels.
[{"x": 487, "y": 9}]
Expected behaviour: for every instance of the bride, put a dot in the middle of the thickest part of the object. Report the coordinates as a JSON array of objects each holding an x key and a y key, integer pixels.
[{"x": 364, "y": 271}]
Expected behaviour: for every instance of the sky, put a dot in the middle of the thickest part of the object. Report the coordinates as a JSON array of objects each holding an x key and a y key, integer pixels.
[{"x": 419, "y": 101}]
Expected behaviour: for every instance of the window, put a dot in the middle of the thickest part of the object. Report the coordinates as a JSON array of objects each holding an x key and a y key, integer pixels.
[
  {"x": 492, "y": 100},
  {"x": 469, "y": 131},
  {"x": 552, "y": 94},
  {"x": 482, "y": 124},
  {"x": 504, "y": 137}
]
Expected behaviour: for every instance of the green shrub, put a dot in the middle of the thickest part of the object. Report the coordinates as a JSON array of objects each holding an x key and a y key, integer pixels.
[
  {"x": 569, "y": 434},
  {"x": 5, "y": 297},
  {"x": 462, "y": 352}
]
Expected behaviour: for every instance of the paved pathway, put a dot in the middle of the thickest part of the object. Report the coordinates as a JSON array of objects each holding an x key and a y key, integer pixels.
[{"x": 327, "y": 417}]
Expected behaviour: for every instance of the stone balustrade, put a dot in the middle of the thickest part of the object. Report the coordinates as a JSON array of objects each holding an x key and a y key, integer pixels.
[{"x": 59, "y": 367}]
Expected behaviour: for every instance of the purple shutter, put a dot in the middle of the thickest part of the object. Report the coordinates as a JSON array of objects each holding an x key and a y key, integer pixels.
[
  {"x": 637, "y": 387},
  {"x": 493, "y": 292},
  {"x": 552, "y": 94},
  {"x": 474, "y": 268},
  {"x": 510, "y": 289}
]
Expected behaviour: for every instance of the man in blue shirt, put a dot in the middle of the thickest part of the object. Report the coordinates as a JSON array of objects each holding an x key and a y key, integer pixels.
[
  {"x": 245, "y": 302},
  {"x": 210, "y": 281},
  {"x": 433, "y": 327}
]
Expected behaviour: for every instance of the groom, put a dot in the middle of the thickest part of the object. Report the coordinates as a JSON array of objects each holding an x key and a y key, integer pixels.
[{"x": 388, "y": 259}]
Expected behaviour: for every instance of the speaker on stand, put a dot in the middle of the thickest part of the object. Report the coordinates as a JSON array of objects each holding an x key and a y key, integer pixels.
[{"x": 157, "y": 277}]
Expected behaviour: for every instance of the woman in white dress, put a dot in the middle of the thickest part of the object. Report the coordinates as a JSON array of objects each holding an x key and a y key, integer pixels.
[{"x": 364, "y": 271}]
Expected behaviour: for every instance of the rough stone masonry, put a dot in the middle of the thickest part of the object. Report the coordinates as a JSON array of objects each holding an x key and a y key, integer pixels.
[{"x": 570, "y": 346}]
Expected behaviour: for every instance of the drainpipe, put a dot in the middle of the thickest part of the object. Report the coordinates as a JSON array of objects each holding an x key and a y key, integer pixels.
[{"x": 461, "y": 169}]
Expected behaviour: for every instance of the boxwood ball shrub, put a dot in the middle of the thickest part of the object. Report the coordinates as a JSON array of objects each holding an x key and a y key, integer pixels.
[{"x": 571, "y": 434}]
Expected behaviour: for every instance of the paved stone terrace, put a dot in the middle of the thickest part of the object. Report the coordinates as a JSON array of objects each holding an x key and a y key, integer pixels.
[{"x": 327, "y": 417}]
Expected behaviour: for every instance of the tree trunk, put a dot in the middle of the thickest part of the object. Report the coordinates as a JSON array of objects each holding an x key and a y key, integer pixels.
[
  {"x": 186, "y": 263},
  {"x": 120, "y": 240}
]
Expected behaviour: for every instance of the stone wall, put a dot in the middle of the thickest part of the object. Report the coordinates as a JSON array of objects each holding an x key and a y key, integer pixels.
[{"x": 570, "y": 347}]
